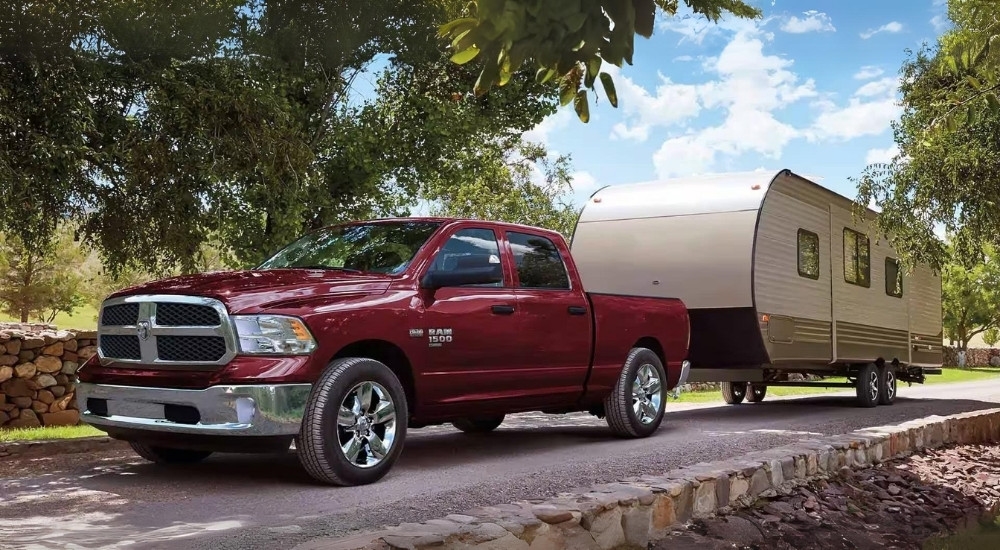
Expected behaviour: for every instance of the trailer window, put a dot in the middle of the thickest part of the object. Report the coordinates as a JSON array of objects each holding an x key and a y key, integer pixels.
[
  {"x": 539, "y": 264},
  {"x": 857, "y": 258},
  {"x": 893, "y": 278},
  {"x": 808, "y": 254}
]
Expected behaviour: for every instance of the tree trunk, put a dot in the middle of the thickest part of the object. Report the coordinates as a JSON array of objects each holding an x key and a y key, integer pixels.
[{"x": 24, "y": 315}]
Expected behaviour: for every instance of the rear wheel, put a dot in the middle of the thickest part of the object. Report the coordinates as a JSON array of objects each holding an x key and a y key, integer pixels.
[
  {"x": 734, "y": 392},
  {"x": 887, "y": 384},
  {"x": 354, "y": 423},
  {"x": 756, "y": 393},
  {"x": 635, "y": 406},
  {"x": 168, "y": 455},
  {"x": 868, "y": 386},
  {"x": 479, "y": 425}
]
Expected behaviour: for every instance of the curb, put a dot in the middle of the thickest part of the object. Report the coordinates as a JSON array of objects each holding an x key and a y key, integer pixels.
[
  {"x": 49, "y": 447},
  {"x": 631, "y": 513}
]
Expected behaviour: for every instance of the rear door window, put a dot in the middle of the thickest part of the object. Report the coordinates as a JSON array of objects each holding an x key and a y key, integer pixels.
[{"x": 539, "y": 263}]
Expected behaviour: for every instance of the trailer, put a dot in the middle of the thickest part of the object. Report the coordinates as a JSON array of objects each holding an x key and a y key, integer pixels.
[{"x": 779, "y": 276}]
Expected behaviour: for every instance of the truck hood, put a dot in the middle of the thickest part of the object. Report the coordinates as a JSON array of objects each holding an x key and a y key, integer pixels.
[{"x": 243, "y": 291}]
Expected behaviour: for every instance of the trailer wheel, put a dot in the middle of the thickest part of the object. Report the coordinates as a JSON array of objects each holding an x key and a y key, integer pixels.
[
  {"x": 756, "y": 393},
  {"x": 734, "y": 392},
  {"x": 635, "y": 406},
  {"x": 479, "y": 425},
  {"x": 168, "y": 455},
  {"x": 868, "y": 386},
  {"x": 354, "y": 423},
  {"x": 887, "y": 381}
]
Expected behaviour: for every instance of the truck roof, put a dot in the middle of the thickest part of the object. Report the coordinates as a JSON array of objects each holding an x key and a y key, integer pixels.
[{"x": 452, "y": 220}]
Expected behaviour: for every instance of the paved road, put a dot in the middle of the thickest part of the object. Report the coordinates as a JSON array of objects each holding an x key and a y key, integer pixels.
[{"x": 114, "y": 500}]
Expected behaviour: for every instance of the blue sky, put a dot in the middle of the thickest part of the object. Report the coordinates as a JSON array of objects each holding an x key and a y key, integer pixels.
[{"x": 812, "y": 86}]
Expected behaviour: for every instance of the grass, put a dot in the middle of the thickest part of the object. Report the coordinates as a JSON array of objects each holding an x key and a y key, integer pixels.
[
  {"x": 83, "y": 318},
  {"x": 947, "y": 376},
  {"x": 50, "y": 432}
]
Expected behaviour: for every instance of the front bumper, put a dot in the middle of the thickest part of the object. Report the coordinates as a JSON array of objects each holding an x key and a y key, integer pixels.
[{"x": 226, "y": 410}]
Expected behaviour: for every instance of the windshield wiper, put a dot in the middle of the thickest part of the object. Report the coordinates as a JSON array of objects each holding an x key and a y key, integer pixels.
[{"x": 326, "y": 268}]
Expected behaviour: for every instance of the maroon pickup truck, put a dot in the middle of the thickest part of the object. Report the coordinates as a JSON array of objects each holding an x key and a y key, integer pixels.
[{"x": 354, "y": 333}]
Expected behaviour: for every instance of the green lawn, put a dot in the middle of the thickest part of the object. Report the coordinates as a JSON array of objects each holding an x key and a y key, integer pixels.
[
  {"x": 53, "y": 432},
  {"x": 83, "y": 318},
  {"x": 947, "y": 376}
]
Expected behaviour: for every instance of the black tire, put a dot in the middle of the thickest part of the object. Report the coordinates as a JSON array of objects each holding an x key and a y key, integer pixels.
[
  {"x": 756, "y": 393},
  {"x": 734, "y": 392},
  {"x": 887, "y": 384},
  {"x": 479, "y": 425},
  {"x": 868, "y": 386},
  {"x": 321, "y": 435},
  {"x": 168, "y": 455},
  {"x": 620, "y": 415}
]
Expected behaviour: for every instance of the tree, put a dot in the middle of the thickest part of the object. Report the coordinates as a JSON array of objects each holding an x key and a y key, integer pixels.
[
  {"x": 947, "y": 172},
  {"x": 970, "y": 297},
  {"x": 991, "y": 336},
  {"x": 565, "y": 41},
  {"x": 38, "y": 281},
  {"x": 523, "y": 186}
]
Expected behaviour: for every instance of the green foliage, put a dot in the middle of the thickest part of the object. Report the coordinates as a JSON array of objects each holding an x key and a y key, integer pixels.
[
  {"x": 970, "y": 296},
  {"x": 991, "y": 336},
  {"x": 567, "y": 42},
  {"x": 40, "y": 281},
  {"x": 947, "y": 172},
  {"x": 524, "y": 186}
]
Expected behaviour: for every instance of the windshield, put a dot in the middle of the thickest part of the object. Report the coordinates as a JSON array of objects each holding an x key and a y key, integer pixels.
[{"x": 367, "y": 247}]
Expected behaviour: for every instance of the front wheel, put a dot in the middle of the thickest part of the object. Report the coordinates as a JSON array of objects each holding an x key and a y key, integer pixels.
[
  {"x": 354, "y": 423},
  {"x": 868, "y": 386},
  {"x": 479, "y": 425},
  {"x": 635, "y": 406},
  {"x": 734, "y": 392},
  {"x": 168, "y": 455}
]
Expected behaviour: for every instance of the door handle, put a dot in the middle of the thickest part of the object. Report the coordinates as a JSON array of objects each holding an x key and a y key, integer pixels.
[
  {"x": 503, "y": 310},
  {"x": 577, "y": 310}
]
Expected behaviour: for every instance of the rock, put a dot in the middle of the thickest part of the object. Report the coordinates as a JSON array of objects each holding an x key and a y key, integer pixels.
[
  {"x": 69, "y": 346},
  {"x": 704, "y": 499},
  {"x": 14, "y": 413},
  {"x": 45, "y": 396},
  {"x": 607, "y": 529},
  {"x": 13, "y": 347},
  {"x": 86, "y": 334},
  {"x": 32, "y": 342},
  {"x": 70, "y": 356},
  {"x": 61, "y": 418},
  {"x": 25, "y": 356},
  {"x": 39, "y": 407},
  {"x": 22, "y": 402},
  {"x": 759, "y": 482},
  {"x": 17, "y": 387},
  {"x": 894, "y": 489},
  {"x": 48, "y": 364},
  {"x": 55, "y": 350},
  {"x": 8, "y": 360},
  {"x": 45, "y": 380},
  {"x": 635, "y": 524},
  {"x": 27, "y": 419},
  {"x": 63, "y": 402},
  {"x": 551, "y": 514},
  {"x": 57, "y": 391},
  {"x": 25, "y": 370},
  {"x": 663, "y": 513},
  {"x": 738, "y": 488},
  {"x": 86, "y": 353},
  {"x": 734, "y": 528},
  {"x": 4, "y": 417},
  {"x": 69, "y": 367},
  {"x": 6, "y": 373},
  {"x": 62, "y": 379}
]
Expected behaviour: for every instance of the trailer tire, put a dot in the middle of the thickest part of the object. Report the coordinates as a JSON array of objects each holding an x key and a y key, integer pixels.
[
  {"x": 479, "y": 425},
  {"x": 168, "y": 455},
  {"x": 734, "y": 392},
  {"x": 756, "y": 393},
  {"x": 641, "y": 386},
  {"x": 868, "y": 386},
  {"x": 325, "y": 438},
  {"x": 887, "y": 384}
]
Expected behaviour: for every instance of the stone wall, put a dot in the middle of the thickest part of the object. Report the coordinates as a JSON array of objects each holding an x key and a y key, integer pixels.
[
  {"x": 38, "y": 375},
  {"x": 974, "y": 357}
]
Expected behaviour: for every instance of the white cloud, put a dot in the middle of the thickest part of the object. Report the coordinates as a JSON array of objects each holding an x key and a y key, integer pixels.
[
  {"x": 880, "y": 87},
  {"x": 882, "y": 156},
  {"x": 672, "y": 104},
  {"x": 560, "y": 119},
  {"x": 583, "y": 182},
  {"x": 869, "y": 72},
  {"x": 814, "y": 21},
  {"x": 695, "y": 27},
  {"x": 940, "y": 22},
  {"x": 891, "y": 27},
  {"x": 858, "y": 118},
  {"x": 684, "y": 58}
]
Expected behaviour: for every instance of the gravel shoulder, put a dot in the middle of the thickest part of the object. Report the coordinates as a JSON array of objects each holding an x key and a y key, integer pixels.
[{"x": 918, "y": 502}]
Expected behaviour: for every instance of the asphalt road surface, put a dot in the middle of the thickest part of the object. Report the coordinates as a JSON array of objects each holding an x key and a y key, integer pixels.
[{"x": 114, "y": 499}]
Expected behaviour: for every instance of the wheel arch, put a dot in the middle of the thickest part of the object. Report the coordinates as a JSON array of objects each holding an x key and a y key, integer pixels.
[{"x": 391, "y": 356}]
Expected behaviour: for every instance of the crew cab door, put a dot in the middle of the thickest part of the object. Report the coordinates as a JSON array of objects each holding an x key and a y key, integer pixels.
[
  {"x": 555, "y": 316},
  {"x": 469, "y": 329}
]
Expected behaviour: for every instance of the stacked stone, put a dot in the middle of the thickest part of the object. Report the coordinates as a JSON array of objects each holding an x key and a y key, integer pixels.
[
  {"x": 38, "y": 376},
  {"x": 974, "y": 357}
]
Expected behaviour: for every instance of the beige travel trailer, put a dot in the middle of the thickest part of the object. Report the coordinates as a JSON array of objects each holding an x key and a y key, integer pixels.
[{"x": 778, "y": 275}]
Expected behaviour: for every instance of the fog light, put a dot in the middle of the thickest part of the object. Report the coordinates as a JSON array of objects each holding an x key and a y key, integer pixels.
[{"x": 245, "y": 410}]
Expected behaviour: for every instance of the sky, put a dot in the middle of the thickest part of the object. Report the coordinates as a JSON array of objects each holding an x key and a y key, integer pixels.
[{"x": 812, "y": 86}]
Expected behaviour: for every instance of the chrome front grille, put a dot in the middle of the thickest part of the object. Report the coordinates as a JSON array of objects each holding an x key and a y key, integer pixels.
[{"x": 166, "y": 330}]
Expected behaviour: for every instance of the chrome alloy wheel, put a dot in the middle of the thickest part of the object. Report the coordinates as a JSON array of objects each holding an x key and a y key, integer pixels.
[
  {"x": 873, "y": 384},
  {"x": 890, "y": 384},
  {"x": 366, "y": 424},
  {"x": 646, "y": 395}
]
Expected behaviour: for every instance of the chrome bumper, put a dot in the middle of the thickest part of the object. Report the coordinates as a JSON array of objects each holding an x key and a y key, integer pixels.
[{"x": 222, "y": 410}]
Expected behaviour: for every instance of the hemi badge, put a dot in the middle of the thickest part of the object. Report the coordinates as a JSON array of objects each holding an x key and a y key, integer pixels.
[{"x": 416, "y": 332}]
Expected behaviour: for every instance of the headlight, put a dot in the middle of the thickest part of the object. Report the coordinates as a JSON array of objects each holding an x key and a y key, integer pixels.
[{"x": 273, "y": 335}]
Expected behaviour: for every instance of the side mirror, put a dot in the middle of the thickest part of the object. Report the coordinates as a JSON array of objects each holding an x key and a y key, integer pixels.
[{"x": 463, "y": 277}]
